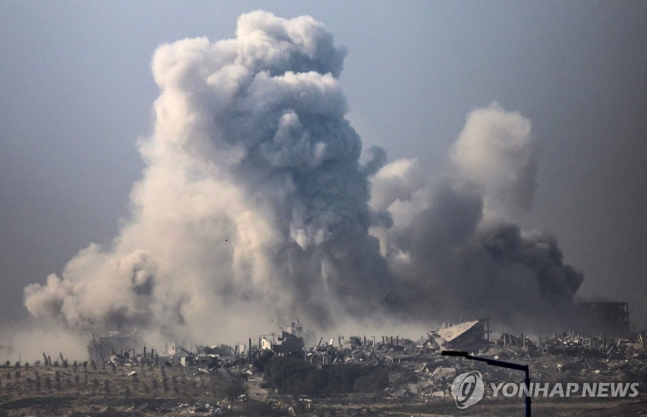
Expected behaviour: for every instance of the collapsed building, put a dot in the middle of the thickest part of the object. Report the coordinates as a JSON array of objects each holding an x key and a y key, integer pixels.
[
  {"x": 292, "y": 342},
  {"x": 100, "y": 348},
  {"x": 466, "y": 335},
  {"x": 416, "y": 368},
  {"x": 296, "y": 329},
  {"x": 288, "y": 345}
]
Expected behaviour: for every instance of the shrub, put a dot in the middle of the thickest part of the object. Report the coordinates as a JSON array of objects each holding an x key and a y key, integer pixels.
[
  {"x": 235, "y": 389},
  {"x": 294, "y": 376},
  {"x": 376, "y": 381}
]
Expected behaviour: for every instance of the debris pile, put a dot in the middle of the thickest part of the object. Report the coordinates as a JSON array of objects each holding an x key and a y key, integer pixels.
[
  {"x": 566, "y": 358},
  {"x": 274, "y": 376}
]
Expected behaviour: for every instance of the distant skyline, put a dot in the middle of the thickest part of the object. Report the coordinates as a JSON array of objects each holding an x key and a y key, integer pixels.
[{"x": 76, "y": 92}]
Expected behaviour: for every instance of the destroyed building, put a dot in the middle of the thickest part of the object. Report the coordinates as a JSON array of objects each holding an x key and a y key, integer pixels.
[
  {"x": 296, "y": 329},
  {"x": 100, "y": 348},
  {"x": 288, "y": 345},
  {"x": 605, "y": 317},
  {"x": 466, "y": 335}
]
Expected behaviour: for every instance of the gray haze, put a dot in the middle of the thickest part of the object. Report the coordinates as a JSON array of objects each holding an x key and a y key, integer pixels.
[{"x": 77, "y": 93}]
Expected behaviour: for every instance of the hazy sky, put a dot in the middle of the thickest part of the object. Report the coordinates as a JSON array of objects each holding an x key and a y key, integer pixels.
[{"x": 76, "y": 92}]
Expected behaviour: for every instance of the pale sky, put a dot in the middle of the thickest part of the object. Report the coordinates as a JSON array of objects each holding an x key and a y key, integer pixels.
[{"x": 76, "y": 92}]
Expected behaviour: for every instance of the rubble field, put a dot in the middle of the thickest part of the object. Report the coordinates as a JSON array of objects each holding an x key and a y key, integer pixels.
[{"x": 419, "y": 380}]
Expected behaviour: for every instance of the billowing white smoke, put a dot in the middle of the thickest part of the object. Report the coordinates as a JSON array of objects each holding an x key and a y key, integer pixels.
[
  {"x": 494, "y": 151},
  {"x": 254, "y": 206}
]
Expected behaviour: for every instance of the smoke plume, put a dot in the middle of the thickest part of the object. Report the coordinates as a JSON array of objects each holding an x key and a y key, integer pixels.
[
  {"x": 449, "y": 242},
  {"x": 254, "y": 206}
]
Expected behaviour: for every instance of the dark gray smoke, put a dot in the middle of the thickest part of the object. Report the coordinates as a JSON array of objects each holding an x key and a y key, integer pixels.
[
  {"x": 254, "y": 205},
  {"x": 450, "y": 243}
]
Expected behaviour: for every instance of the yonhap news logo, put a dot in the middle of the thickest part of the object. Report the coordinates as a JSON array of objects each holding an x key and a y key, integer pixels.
[
  {"x": 571, "y": 389},
  {"x": 468, "y": 389}
]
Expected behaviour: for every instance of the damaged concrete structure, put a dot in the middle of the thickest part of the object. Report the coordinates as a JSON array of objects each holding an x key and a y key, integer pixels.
[
  {"x": 416, "y": 369},
  {"x": 610, "y": 318},
  {"x": 101, "y": 348},
  {"x": 467, "y": 335},
  {"x": 288, "y": 345},
  {"x": 296, "y": 329}
]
